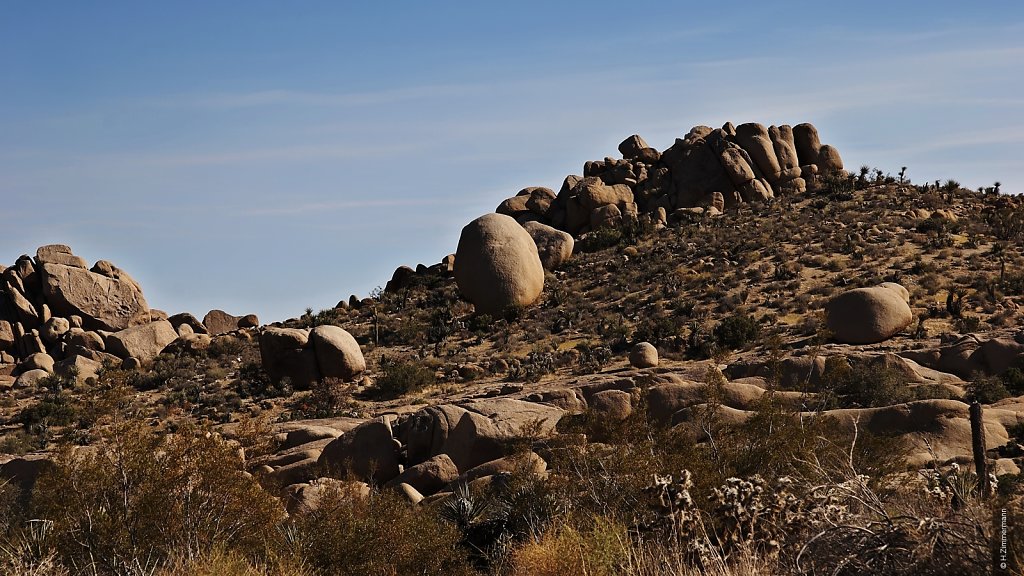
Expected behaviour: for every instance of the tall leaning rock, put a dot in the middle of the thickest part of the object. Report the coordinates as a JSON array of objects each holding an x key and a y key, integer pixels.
[
  {"x": 869, "y": 315},
  {"x": 497, "y": 265}
]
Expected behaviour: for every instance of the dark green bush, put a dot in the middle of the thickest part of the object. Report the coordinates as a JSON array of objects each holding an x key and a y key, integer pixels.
[
  {"x": 327, "y": 398},
  {"x": 858, "y": 384},
  {"x": 987, "y": 389},
  {"x": 1013, "y": 379},
  {"x": 737, "y": 331},
  {"x": 401, "y": 377}
]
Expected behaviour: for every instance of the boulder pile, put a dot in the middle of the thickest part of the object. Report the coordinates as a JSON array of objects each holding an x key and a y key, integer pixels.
[
  {"x": 57, "y": 313},
  {"x": 424, "y": 454},
  {"x": 711, "y": 168},
  {"x": 707, "y": 171}
]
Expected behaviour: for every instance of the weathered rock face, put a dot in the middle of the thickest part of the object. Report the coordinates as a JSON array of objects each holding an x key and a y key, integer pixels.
[
  {"x": 611, "y": 405},
  {"x": 59, "y": 254},
  {"x": 285, "y": 353},
  {"x": 304, "y": 356},
  {"x": 497, "y": 265},
  {"x": 102, "y": 302},
  {"x": 553, "y": 246},
  {"x": 367, "y": 451},
  {"x": 868, "y": 315},
  {"x": 429, "y": 476},
  {"x": 473, "y": 432}
]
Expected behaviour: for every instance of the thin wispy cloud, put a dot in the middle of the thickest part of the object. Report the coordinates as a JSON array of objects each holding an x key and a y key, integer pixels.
[
  {"x": 322, "y": 207},
  {"x": 300, "y": 98}
]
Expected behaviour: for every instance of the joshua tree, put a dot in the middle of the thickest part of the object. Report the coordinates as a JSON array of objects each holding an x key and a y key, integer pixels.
[
  {"x": 999, "y": 251},
  {"x": 955, "y": 302}
]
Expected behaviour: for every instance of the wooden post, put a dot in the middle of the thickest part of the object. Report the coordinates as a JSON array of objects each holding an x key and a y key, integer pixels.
[{"x": 978, "y": 444}]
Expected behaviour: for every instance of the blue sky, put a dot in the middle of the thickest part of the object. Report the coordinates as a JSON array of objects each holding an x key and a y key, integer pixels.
[{"x": 268, "y": 156}]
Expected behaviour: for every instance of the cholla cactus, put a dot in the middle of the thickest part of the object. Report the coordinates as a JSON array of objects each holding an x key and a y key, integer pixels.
[
  {"x": 672, "y": 505},
  {"x": 755, "y": 513}
]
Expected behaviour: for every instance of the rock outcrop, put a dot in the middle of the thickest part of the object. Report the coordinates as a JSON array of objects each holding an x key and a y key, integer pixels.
[
  {"x": 55, "y": 304},
  {"x": 103, "y": 302},
  {"x": 708, "y": 167},
  {"x": 304, "y": 356}
]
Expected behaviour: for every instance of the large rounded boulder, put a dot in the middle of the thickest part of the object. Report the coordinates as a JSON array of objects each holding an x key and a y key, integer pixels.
[
  {"x": 497, "y": 265},
  {"x": 868, "y": 315},
  {"x": 337, "y": 352}
]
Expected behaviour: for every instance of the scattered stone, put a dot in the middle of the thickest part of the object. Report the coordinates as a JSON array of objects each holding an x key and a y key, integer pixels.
[
  {"x": 285, "y": 353},
  {"x": 30, "y": 378},
  {"x": 186, "y": 319},
  {"x": 54, "y": 328},
  {"x": 59, "y": 254},
  {"x": 611, "y": 405},
  {"x": 81, "y": 367},
  {"x": 429, "y": 476},
  {"x": 37, "y": 361}
]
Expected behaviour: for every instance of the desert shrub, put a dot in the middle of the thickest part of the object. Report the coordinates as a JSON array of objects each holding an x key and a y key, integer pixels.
[
  {"x": 254, "y": 383},
  {"x": 535, "y": 366},
  {"x": 220, "y": 562},
  {"x": 1006, "y": 223},
  {"x": 401, "y": 377},
  {"x": 378, "y": 536},
  {"x": 601, "y": 239},
  {"x": 862, "y": 385},
  {"x": 700, "y": 341},
  {"x": 225, "y": 346},
  {"x": 21, "y": 442},
  {"x": 166, "y": 370},
  {"x": 516, "y": 507},
  {"x": 327, "y": 398},
  {"x": 987, "y": 389},
  {"x": 28, "y": 552},
  {"x": 1013, "y": 380},
  {"x": 54, "y": 407},
  {"x": 140, "y": 497},
  {"x": 737, "y": 331},
  {"x": 838, "y": 186},
  {"x": 594, "y": 546},
  {"x": 662, "y": 330}
]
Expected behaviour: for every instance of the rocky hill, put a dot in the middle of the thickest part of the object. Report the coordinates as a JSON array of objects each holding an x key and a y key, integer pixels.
[{"x": 806, "y": 343}]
